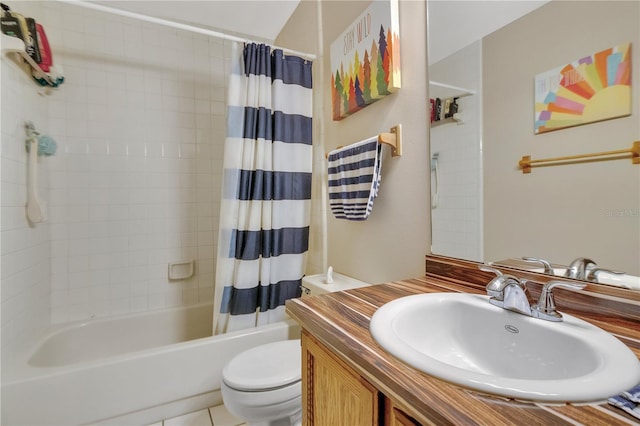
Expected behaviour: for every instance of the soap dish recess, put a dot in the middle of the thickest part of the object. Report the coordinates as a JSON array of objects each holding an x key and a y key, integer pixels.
[{"x": 181, "y": 270}]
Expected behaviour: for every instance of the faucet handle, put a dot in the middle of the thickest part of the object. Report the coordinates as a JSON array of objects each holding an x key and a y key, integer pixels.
[
  {"x": 593, "y": 273},
  {"x": 548, "y": 269},
  {"x": 563, "y": 284},
  {"x": 487, "y": 268},
  {"x": 546, "y": 306},
  {"x": 496, "y": 286}
]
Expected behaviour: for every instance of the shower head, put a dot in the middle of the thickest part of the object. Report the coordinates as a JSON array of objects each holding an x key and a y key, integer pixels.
[{"x": 46, "y": 144}]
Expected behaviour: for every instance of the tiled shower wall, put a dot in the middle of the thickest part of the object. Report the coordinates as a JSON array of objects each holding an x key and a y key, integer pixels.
[
  {"x": 24, "y": 266},
  {"x": 140, "y": 126},
  {"x": 456, "y": 223},
  {"x": 136, "y": 185}
]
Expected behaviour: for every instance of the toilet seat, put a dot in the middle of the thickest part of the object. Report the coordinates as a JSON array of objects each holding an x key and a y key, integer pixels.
[{"x": 266, "y": 367}]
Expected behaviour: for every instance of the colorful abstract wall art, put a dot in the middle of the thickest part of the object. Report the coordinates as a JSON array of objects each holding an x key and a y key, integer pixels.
[
  {"x": 594, "y": 88},
  {"x": 365, "y": 59}
]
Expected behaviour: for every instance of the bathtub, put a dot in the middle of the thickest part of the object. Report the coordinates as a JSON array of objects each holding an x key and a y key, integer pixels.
[{"x": 130, "y": 370}]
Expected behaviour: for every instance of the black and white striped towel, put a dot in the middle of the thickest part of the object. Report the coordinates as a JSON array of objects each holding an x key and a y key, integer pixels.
[{"x": 354, "y": 179}]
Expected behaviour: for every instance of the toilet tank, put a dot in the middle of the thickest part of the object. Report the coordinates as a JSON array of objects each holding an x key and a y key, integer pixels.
[{"x": 313, "y": 285}]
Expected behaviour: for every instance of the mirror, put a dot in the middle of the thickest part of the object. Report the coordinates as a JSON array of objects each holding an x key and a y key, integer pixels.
[{"x": 486, "y": 55}]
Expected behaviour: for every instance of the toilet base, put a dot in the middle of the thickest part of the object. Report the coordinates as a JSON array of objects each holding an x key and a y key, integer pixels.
[
  {"x": 263, "y": 385},
  {"x": 294, "y": 420},
  {"x": 277, "y": 407}
]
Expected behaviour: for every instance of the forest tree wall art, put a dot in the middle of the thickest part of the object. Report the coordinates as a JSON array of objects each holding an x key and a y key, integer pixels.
[{"x": 365, "y": 59}]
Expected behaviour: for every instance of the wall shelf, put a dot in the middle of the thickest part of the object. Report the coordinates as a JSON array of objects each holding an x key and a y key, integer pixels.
[
  {"x": 448, "y": 91},
  {"x": 16, "y": 45},
  {"x": 457, "y": 119}
]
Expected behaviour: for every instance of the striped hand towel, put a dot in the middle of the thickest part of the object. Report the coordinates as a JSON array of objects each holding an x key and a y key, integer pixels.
[{"x": 354, "y": 179}]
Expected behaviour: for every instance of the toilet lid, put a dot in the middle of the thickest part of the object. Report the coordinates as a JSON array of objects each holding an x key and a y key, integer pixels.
[{"x": 264, "y": 367}]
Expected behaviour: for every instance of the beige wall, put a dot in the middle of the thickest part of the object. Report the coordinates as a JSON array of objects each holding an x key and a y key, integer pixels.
[
  {"x": 392, "y": 242},
  {"x": 561, "y": 212},
  {"x": 301, "y": 34}
]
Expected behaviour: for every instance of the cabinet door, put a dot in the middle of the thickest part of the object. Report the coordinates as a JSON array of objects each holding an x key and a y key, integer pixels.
[
  {"x": 396, "y": 417},
  {"x": 332, "y": 393}
]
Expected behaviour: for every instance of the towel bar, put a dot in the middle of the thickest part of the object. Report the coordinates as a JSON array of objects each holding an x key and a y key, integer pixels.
[
  {"x": 526, "y": 163},
  {"x": 393, "y": 139}
]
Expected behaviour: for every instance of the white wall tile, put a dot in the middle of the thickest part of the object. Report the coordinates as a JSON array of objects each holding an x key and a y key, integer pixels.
[
  {"x": 127, "y": 200},
  {"x": 25, "y": 288},
  {"x": 131, "y": 187}
]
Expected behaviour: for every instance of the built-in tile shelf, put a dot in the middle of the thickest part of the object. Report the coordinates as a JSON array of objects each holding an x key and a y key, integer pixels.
[
  {"x": 448, "y": 91},
  {"x": 457, "y": 118}
]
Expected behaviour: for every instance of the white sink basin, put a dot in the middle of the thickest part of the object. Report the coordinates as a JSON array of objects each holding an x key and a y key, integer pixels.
[
  {"x": 623, "y": 280},
  {"x": 463, "y": 339}
]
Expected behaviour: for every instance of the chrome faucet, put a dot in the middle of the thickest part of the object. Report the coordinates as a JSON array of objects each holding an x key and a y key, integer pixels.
[
  {"x": 580, "y": 268},
  {"x": 508, "y": 292},
  {"x": 496, "y": 286}
]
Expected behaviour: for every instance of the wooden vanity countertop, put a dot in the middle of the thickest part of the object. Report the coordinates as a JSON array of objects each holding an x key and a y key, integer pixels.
[{"x": 341, "y": 322}]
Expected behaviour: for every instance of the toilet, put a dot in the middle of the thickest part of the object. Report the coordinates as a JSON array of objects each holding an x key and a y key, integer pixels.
[{"x": 262, "y": 385}]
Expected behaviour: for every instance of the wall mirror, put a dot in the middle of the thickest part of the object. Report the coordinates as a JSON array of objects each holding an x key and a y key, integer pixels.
[{"x": 485, "y": 56}]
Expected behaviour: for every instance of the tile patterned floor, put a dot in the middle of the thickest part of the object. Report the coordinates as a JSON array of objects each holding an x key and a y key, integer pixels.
[{"x": 214, "y": 416}]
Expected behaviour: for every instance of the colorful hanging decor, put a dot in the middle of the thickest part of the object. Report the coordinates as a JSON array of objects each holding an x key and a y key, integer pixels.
[
  {"x": 594, "y": 88},
  {"x": 365, "y": 59}
]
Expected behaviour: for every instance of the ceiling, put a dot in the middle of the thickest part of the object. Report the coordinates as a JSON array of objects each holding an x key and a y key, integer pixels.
[
  {"x": 456, "y": 24},
  {"x": 256, "y": 19},
  {"x": 452, "y": 24}
]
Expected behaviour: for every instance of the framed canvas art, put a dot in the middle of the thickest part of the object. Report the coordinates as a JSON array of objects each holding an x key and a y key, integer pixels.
[
  {"x": 365, "y": 59},
  {"x": 593, "y": 88}
]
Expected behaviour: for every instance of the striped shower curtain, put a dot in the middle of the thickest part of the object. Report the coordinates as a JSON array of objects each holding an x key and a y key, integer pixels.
[{"x": 265, "y": 207}]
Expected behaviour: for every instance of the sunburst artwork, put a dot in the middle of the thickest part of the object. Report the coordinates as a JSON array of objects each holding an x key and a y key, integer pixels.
[{"x": 594, "y": 88}]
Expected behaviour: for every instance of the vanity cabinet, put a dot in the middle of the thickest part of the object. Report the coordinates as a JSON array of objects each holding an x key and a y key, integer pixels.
[
  {"x": 396, "y": 417},
  {"x": 349, "y": 380},
  {"x": 334, "y": 394}
]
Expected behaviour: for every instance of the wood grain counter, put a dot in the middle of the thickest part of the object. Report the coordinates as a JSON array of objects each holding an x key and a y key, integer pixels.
[{"x": 340, "y": 321}]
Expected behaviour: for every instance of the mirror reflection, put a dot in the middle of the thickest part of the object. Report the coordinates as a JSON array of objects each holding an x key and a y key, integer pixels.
[{"x": 583, "y": 218}]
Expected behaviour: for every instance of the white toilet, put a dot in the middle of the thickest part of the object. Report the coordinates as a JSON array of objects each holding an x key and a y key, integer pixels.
[{"x": 262, "y": 385}]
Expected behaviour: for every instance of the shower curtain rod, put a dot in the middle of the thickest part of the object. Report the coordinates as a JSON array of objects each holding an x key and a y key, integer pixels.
[{"x": 178, "y": 25}]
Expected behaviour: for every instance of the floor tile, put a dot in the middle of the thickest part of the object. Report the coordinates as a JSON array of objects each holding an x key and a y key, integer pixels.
[
  {"x": 221, "y": 417},
  {"x": 198, "y": 418}
]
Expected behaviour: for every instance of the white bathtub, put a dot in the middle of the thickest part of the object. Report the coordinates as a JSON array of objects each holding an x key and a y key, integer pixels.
[{"x": 131, "y": 370}]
